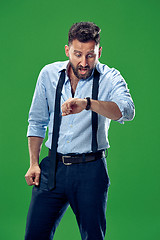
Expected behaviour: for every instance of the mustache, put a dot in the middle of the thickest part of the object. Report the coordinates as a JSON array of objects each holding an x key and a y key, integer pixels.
[{"x": 83, "y": 68}]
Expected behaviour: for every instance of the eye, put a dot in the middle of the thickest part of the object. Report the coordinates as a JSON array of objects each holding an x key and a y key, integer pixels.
[
  {"x": 78, "y": 55},
  {"x": 90, "y": 56}
]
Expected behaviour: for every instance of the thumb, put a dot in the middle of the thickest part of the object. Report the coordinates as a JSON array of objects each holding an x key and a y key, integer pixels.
[{"x": 37, "y": 179}]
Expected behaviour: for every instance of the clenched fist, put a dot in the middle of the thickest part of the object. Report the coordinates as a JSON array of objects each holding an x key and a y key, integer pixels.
[
  {"x": 33, "y": 175},
  {"x": 73, "y": 106}
]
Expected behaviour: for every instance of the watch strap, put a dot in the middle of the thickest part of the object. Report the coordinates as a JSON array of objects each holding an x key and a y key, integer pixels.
[{"x": 88, "y": 103}]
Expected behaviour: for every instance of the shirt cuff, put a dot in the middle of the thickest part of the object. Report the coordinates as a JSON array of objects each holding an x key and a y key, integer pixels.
[
  {"x": 126, "y": 110},
  {"x": 36, "y": 132}
]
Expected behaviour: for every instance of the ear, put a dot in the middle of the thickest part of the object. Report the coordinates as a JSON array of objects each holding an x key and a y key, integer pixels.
[
  {"x": 100, "y": 52},
  {"x": 67, "y": 50}
]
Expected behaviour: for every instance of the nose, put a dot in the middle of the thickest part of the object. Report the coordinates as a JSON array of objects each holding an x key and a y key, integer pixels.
[{"x": 84, "y": 61}]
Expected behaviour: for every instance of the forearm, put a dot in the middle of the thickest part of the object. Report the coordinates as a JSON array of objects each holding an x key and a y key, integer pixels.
[
  {"x": 34, "y": 146},
  {"x": 76, "y": 105},
  {"x": 106, "y": 109}
]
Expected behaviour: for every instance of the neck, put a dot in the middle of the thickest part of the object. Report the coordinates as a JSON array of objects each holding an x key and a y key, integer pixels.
[
  {"x": 73, "y": 79},
  {"x": 71, "y": 75}
]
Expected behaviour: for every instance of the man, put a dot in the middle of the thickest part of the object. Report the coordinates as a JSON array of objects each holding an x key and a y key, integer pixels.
[{"x": 75, "y": 172}]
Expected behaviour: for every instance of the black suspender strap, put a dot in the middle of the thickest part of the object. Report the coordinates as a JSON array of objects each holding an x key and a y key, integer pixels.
[
  {"x": 57, "y": 122},
  {"x": 55, "y": 135},
  {"x": 94, "y": 114}
]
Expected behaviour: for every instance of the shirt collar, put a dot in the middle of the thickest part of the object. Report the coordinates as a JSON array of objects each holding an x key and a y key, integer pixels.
[
  {"x": 65, "y": 65},
  {"x": 99, "y": 67}
]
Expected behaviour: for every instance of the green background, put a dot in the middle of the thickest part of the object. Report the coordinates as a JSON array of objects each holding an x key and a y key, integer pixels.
[{"x": 33, "y": 34}]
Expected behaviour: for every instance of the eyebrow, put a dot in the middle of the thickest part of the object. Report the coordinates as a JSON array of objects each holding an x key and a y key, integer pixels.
[{"x": 76, "y": 51}]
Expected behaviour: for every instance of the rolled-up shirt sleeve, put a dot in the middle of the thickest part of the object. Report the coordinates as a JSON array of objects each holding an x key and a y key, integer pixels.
[
  {"x": 38, "y": 114},
  {"x": 120, "y": 95}
]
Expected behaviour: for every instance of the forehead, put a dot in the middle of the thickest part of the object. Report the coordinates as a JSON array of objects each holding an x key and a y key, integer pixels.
[{"x": 83, "y": 47}]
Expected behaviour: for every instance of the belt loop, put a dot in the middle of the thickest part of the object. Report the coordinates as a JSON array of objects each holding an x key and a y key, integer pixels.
[{"x": 84, "y": 157}]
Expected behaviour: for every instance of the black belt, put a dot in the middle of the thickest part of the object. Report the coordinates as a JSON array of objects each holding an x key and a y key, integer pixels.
[{"x": 79, "y": 158}]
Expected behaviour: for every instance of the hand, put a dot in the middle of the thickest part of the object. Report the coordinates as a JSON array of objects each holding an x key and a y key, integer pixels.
[
  {"x": 73, "y": 106},
  {"x": 33, "y": 175}
]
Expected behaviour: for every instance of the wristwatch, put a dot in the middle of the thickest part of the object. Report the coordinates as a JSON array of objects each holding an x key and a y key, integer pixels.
[{"x": 88, "y": 103}]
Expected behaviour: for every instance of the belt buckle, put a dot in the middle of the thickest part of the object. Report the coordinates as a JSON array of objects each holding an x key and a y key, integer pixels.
[{"x": 63, "y": 158}]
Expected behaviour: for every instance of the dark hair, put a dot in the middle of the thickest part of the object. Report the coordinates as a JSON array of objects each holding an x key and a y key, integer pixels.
[{"x": 84, "y": 32}]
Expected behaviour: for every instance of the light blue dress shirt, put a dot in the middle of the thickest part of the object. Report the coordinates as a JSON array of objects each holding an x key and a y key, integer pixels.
[{"x": 76, "y": 130}]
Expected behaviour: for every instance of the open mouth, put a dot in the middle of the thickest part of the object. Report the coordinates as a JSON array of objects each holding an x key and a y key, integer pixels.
[{"x": 83, "y": 70}]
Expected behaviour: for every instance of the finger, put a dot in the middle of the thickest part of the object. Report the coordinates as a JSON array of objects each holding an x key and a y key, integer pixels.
[
  {"x": 65, "y": 114},
  {"x": 29, "y": 180},
  {"x": 68, "y": 106},
  {"x": 36, "y": 180},
  {"x": 66, "y": 111},
  {"x": 63, "y": 106}
]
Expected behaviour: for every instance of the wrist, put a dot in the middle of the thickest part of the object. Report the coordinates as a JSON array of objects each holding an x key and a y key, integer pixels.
[
  {"x": 34, "y": 162},
  {"x": 32, "y": 165}
]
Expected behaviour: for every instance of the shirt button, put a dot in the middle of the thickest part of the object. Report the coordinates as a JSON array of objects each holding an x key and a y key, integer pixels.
[{"x": 68, "y": 141}]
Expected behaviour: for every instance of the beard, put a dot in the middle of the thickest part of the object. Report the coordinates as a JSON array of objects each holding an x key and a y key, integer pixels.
[{"x": 79, "y": 68}]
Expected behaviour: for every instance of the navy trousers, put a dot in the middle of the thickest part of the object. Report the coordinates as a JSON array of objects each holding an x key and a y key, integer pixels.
[{"x": 83, "y": 186}]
